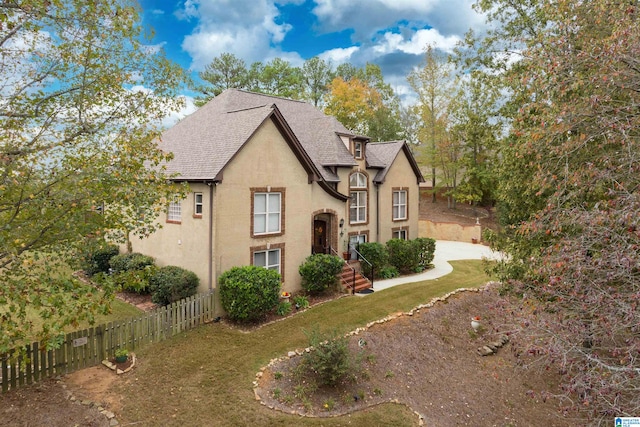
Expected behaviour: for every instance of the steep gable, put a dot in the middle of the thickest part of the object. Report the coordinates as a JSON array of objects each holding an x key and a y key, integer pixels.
[{"x": 381, "y": 155}]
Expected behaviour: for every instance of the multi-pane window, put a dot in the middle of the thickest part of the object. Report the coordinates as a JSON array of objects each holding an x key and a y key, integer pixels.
[
  {"x": 266, "y": 213},
  {"x": 269, "y": 259},
  {"x": 399, "y": 234},
  {"x": 357, "y": 149},
  {"x": 399, "y": 205},
  {"x": 174, "y": 212},
  {"x": 358, "y": 202},
  {"x": 197, "y": 204}
]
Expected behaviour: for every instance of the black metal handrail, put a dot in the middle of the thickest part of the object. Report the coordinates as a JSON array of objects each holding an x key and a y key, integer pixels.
[
  {"x": 360, "y": 257},
  {"x": 353, "y": 271}
]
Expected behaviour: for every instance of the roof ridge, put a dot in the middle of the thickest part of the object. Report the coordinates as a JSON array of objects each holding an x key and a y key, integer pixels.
[
  {"x": 248, "y": 108},
  {"x": 271, "y": 96}
]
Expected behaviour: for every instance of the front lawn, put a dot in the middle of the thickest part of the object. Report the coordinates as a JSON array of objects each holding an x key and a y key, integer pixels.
[{"x": 205, "y": 376}]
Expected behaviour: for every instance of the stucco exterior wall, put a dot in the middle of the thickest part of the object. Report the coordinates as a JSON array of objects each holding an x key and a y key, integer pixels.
[
  {"x": 184, "y": 244},
  {"x": 401, "y": 177}
]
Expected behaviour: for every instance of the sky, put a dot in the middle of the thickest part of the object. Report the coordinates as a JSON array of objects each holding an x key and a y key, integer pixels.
[{"x": 389, "y": 33}]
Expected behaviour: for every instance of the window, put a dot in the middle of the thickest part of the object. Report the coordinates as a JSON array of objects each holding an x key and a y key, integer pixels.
[
  {"x": 358, "y": 202},
  {"x": 197, "y": 204},
  {"x": 357, "y": 149},
  {"x": 399, "y": 205},
  {"x": 174, "y": 213},
  {"x": 269, "y": 259},
  {"x": 354, "y": 241},
  {"x": 266, "y": 213},
  {"x": 399, "y": 234}
]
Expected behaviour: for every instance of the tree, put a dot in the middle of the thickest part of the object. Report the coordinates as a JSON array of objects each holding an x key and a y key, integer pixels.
[
  {"x": 474, "y": 127},
  {"x": 82, "y": 98},
  {"x": 574, "y": 250},
  {"x": 224, "y": 72},
  {"x": 433, "y": 85},
  {"x": 317, "y": 75},
  {"x": 353, "y": 103}
]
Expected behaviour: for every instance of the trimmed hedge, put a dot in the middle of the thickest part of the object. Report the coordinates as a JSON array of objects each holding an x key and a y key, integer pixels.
[
  {"x": 426, "y": 248},
  {"x": 319, "y": 272},
  {"x": 248, "y": 293},
  {"x": 403, "y": 255},
  {"x": 171, "y": 283},
  {"x": 377, "y": 255}
]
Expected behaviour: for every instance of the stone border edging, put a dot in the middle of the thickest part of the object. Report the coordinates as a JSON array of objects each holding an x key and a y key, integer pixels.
[{"x": 299, "y": 352}]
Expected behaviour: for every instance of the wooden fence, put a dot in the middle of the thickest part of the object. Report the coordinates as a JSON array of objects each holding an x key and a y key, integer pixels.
[{"x": 89, "y": 347}]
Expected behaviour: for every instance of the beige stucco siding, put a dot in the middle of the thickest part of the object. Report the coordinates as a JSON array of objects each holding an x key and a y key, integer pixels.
[
  {"x": 266, "y": 161},
  {"x": 184, "y": 244},
  {"x": 399, "y": 176}
]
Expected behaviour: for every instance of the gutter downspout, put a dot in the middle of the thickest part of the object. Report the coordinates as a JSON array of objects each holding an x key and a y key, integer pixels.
[
  {"x": 210, "y": 262},
  {"x": 377, "y": 212}
]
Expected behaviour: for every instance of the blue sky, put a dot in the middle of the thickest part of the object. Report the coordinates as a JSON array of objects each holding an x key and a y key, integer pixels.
[{"x": 390, "y": 33}]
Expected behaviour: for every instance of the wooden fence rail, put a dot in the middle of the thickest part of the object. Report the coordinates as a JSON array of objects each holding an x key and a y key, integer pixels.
[{"x": 89, "y": 347}]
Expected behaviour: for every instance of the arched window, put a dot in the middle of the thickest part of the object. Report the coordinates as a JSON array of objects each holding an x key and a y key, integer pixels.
[{"x": 358, "y": 202}]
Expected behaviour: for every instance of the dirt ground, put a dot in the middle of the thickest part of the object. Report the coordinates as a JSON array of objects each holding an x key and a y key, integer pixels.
[
  {"x": 462, "y": 213},
  {"x": 433, "y": 367}
]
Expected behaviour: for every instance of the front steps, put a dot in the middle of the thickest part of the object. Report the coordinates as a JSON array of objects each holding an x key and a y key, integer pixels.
[{"x": 347, "y": 277}]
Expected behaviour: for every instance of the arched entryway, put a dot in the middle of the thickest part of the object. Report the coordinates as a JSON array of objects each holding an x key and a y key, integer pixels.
[{"x": 324, "y": 232}]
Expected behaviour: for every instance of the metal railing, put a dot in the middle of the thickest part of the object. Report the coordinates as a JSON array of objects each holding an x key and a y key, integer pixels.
[{"x": 361, "y": 258}]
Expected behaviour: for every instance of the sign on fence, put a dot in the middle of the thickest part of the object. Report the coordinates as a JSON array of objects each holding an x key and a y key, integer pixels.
[{"x": 89, "y": 347}]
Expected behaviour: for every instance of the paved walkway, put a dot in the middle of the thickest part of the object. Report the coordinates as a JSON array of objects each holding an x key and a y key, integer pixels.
[{"x": 445, "y": 251}]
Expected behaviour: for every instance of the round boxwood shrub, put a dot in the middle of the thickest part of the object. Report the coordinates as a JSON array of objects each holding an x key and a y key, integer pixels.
[
  {"x": 319, "y": 272},
  {"x": 377, "y": 254},
  {"x": 171, "y": 283},
  {"x": 97, "y": 256},
  {"x": 248, "y": 293}
]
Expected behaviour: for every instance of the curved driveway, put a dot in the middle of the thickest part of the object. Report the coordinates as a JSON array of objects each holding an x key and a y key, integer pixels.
[{"x": 445, "y": 251}]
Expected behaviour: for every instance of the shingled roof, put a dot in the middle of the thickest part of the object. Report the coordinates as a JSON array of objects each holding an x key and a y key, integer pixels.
[
  {"x": 381, "y": 155},
  {"x": 204, "y": 142}
]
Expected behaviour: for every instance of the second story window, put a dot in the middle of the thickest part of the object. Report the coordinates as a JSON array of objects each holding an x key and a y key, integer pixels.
[
  {"x": 266, "y": 213},
  {"x": 197, "y": 204},
  {"x": 399, "y": 205},
  {"x": 357, "y": 149},
  {"x": 174, "y": 212},
  {"x": 359, "y": 196}
]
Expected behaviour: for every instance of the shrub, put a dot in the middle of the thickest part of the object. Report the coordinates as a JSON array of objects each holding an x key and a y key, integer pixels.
[
  {"x": 97, "y": 256},
  {"x": 248, "y": 293},
  {"x": 330, "y": 361},
  {"x": 319, "y": 272},
  {"x": 131, "y": 272},
  {"x": 388, "y": 273},
  {"x": 426, "y": 248},
  {"x": 301, "y": 302},
  {"x": 171, "y": 283},
  {"x": 126, "y": 262},
  {"x": 376, "y": 254},
  {"x": 284, "y": 308},
  {"x": 403, "y": 255}
]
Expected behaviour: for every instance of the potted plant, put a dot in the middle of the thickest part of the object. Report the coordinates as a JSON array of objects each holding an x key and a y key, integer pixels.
[{"x": 122, "y": 354}]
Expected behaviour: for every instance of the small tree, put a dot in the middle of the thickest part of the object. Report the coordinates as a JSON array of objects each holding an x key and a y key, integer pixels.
[
  {"x": 331, "y": 360},
  {"x": 319, "y": 272},
  {"x": 248, "y": 293}
]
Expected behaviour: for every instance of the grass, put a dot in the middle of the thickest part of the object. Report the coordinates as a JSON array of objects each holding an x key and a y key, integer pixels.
[{"x": 205, "y": 376}]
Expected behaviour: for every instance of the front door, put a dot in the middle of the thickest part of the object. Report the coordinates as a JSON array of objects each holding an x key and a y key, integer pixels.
[{"x": 320, "y": 236}]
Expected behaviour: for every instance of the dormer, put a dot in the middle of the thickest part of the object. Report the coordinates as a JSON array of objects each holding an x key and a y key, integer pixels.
[{"x": 358, "y": 147}]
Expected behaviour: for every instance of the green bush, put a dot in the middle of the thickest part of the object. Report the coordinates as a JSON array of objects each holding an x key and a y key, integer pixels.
[
  {"x": 133, "y": 261},
  {"x": 284, "y": 308},
  {"x": 319, "y": 272},
  {"x": 387, "y": 273},
  {"x": 330, "y": 361},
  {"x": 403, "y": 255},
  {"x": 376, "y": 254},
  {"x": 301, "y": 302},
  {"x": 97, "y": 256},
  {"x": 426, "y": 248},
  {"x": 170, "y": 284},
  {"x": 131, "y": 272},
  {"x": 248, "y": 293}
]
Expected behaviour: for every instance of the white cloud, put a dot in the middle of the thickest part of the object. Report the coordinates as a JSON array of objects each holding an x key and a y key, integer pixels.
[
  {"x": 416, "y": 44},
  {"x": 339, "y": 56},
  {"x": 175, "y": 116},
  {"x": 247, "y": 28}
]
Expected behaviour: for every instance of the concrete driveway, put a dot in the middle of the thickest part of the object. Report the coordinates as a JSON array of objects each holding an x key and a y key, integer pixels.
[{"x": 445, "y": 251}]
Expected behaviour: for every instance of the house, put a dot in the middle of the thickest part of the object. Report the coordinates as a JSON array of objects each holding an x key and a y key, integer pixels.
[{"x": 272, "y": 181}]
